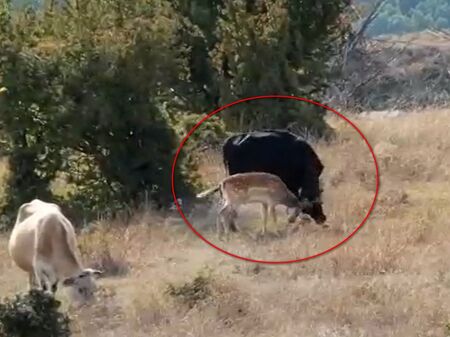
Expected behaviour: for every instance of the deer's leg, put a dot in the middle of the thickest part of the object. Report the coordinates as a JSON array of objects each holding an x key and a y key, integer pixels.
[
  {"x": 233, "y": 216},
  {"x": 32, "y": 280},
  {"x": 226, "y": 214},
  {"x": 274, "y": 214},
  {"x": 220, "y": 218},
  {"x": 219, "y": 221},
  {"x": 264, "y": 209}
]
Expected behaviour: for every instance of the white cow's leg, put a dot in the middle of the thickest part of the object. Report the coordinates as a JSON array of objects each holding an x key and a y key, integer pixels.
[
  {"x": 45, "y": 276},
  {"x": 32, "y": 281}
]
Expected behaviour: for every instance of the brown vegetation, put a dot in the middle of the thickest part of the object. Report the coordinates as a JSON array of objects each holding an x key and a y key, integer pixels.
[
  {"x": 396, "y": 72},
  {"x": 391, "y": 279}
]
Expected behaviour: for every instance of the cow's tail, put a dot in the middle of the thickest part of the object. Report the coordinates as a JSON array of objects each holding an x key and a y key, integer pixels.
[{"x": 208, "y": 192}]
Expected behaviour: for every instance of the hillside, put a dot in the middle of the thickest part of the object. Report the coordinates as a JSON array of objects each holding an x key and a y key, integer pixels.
[
  {"x": 406, "y": 16},
  {"x": 406, "y": 72},
  {"x": 391, "y": 279}
]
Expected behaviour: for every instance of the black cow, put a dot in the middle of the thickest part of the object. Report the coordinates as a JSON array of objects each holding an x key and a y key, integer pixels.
[{"x": 281, "y": 153}]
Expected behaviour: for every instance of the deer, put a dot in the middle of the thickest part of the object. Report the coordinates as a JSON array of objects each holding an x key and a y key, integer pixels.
[{"x": 253, "y": 187}]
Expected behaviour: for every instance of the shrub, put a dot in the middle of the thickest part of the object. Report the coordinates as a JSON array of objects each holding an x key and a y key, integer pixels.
[
  {"x": 191, "y": 293},
  {"x": 33, "y": 315}
]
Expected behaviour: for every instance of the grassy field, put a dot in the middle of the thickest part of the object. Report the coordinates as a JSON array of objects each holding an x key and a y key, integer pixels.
[{"x": 391, "y": 279}]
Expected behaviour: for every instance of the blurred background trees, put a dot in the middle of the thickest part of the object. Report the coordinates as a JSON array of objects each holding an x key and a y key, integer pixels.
[{"x": 101, "y": 92}]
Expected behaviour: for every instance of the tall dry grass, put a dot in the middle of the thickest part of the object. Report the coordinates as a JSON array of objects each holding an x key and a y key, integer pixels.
[{"x": 391, "y": 279}]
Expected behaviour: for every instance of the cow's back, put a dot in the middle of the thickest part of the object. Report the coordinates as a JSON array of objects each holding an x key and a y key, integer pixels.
[
  {"x": 32, "y": 207},
  {"x": 266, "y": 151},
  {"x": 57, "y": 242},
  {"x": 22, "y": 242},
  {"x": 277, "y": 152},
  {"x": 36, "y": 221}
]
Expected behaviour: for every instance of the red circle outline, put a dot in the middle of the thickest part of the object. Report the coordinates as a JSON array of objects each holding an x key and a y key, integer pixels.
[{"x": 282, "y": 97}]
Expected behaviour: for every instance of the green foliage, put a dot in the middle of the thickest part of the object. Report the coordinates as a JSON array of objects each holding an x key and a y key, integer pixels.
[
  {"x": 190, "y": 293},
  {"x": 33, "y": 315},
  {"x": 28, "y": 120},
  {"x": 103, "y": 91},
  {"x": 275, "y": 47},
  {"x": 96, "y": 103},
  {"x": 447, "y": 329}
]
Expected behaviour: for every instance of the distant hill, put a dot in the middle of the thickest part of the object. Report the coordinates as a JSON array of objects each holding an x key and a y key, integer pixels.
[
  {"x": 22, "y": 3},
  {"x": 406, "y": 16},
  {"x": 396, "y": 17}
]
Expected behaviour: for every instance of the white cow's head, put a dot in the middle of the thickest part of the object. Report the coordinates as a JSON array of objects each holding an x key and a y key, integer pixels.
[{"x": 82, "y": 286}]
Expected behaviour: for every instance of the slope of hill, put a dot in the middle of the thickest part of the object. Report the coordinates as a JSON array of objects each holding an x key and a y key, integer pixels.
[
  {"x": 405, "y": 16},
  {"x": 397, "y": 72}
]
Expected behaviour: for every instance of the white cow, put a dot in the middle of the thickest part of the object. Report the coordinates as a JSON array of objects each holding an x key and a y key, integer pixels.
[{"x": 43, "y": 243}]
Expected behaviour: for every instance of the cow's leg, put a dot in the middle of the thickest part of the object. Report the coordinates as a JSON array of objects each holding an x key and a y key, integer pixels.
[
  {"x": 44, "y": 271},
  {"x": 45, "y": 275},
  {"x": 41, "y": 279},
  {"x": 264, "y": 209},
  {"x": 38, "y": 278},
  {"x": 32, "y": 281}
]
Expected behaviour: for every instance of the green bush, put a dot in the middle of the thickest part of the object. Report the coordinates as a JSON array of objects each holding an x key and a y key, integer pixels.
[
  {"x": 33, "y": 315},
  {"x": 190, "y": 293}
]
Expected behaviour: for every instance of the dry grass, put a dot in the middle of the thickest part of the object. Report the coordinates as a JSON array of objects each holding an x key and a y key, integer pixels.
[{"x": 391, "y": 279}]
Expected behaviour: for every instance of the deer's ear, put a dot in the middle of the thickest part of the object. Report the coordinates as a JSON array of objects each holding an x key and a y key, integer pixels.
[
  {"x": 94, "y": 272},
  {"x": 97, "y": 272}
]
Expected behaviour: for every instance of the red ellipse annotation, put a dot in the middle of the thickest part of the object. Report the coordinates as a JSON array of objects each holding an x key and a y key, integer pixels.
[{"x": 276, "y": 97}]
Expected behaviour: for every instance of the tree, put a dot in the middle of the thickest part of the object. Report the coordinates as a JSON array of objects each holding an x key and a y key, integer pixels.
[
  {"x": 276, "y": 47},
  {"x": 27, "y": 115},
  {"x": 96, "y": 105}
]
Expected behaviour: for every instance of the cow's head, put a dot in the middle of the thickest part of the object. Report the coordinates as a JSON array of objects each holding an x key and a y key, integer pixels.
[
  {"x": 313, "y": 206},
  {"x": 314, "y": 210},
  {"x": 82, "y": 286}
]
